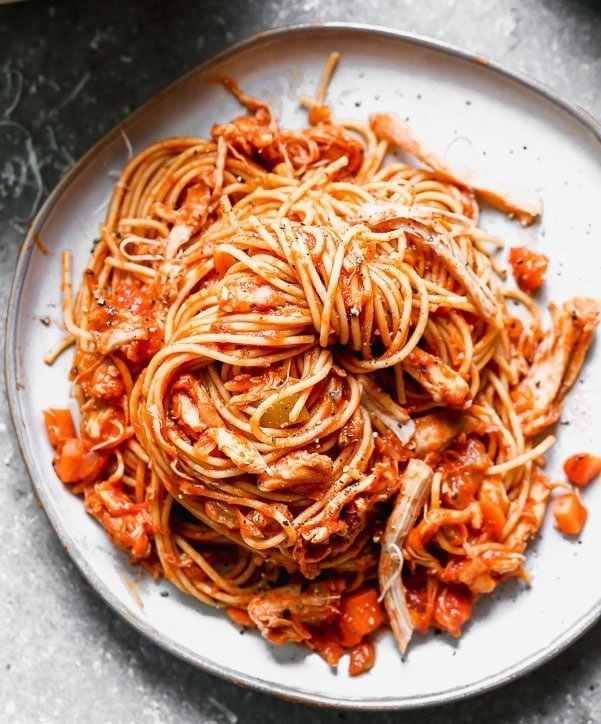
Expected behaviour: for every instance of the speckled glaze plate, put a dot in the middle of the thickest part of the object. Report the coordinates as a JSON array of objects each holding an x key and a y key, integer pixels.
[{"x": 475, "y": 114}]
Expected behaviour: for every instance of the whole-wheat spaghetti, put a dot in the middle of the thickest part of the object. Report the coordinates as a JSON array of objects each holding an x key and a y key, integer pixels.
[{"x": 302, "y": 392}]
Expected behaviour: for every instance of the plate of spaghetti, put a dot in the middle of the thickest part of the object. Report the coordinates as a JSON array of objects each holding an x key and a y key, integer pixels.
[{"x": 309, "y": 343}]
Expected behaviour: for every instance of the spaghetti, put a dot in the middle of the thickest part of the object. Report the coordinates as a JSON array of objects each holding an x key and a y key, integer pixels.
[{"x": 303, "y": 397}]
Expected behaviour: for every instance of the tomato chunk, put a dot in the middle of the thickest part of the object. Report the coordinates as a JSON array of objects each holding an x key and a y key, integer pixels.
[
  {"x": 59, "y": 425},
  {"x": 570, "y": 514},
  {"x": 363, "y": 657},
  {"x": 493, "y": 518},
  {"x": 320, "y": 113},
  {"x": 239, "y": 616},
  {"x": 328, "y": 646},
  {"x": 74, "y": 461},
  {"x": 453, "y": 608},
  {"x": 223, "y": 261},
  {"x": 514, "y": 329},
  {"x": 529, "y": 268},
  {"x": 582, "y": 468},
  {"x": 361, "y": 614}
]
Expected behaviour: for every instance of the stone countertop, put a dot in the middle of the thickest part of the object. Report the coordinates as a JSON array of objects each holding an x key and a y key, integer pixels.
[{"x": 68, "y": 73}]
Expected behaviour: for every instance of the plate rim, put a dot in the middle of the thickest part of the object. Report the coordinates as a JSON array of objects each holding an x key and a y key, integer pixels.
[{"x": 11, "y": 372}]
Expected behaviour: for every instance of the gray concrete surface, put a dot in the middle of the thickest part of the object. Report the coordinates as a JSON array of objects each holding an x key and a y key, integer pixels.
[{"x": 68, "y": 72}]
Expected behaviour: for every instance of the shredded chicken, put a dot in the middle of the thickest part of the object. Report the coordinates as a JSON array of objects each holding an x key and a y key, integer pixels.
[
  {"x": 435, "y": 432},
  {"x": 527, "y": 208},
  {"x": 481, "y": 573},
  {"x": 297, "y": 469},
  {"x": 384, "y": 411},
  {"x": 117, "y": 337},
  {"x": 192, "y": 406},
  {"x": 245, "y": 292},
  {"x": 106, "y": 382},
  {"x": 283, "y": 614},
  {"x": 186, "y": 413},
  {"x": 127, "y": 320},
  {"x": 415, "y": 487},
  {"x": 557, "y": 362},
  {"x": 437, "y": 378},
  {"x": 128, "y": 524},
  {"x": 239, "y": 450}
]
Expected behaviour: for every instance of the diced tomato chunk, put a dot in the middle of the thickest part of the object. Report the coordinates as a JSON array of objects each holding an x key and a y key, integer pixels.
[
  {"x": 361, "y": 614},
  {"x": 529, "y": 268},
  {"x": 320, "y": 113},
  {"x": 59, "y": 425},
  {"x": 131, "y": 297},
  {"x": 582, "y": 468},
  {"x": 239, "y": 616},
  {"x": 328, "y": 646},
  {"x": 494, "y": 505},
  {"x": 514, "y": 329},
  {"x": 223, "y": 261},
  {"x": 363, "y": 657},
  {"x": 453, "y": 608},
  {"x": 493, "y": 519},
  {"x": 74, "y": 461},
  {"x": 570, "y": 514}
]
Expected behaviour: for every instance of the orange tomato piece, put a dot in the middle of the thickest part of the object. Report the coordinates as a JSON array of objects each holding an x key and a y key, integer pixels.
[
  {"x": 239, "y": 616},
  {"x": 59, "y": 425},
  {"x": 223, "y": 261},
  {"x": 529, "y": 268},
  {"x": 361, "y": 614},
  {"x": 493, "y": 518},
  {"x": 320, "y": 113},
  {"x": 74, "y": 461},
  {"x": 570, "y": 514},
  {"x": 328, "y": 646},
  {"x": 453, "y": 608},
  {"x": 198, "y": 194},
  {"x": 514, "y": 329},
  {"x": 582, "y": 468},
  {"x": 363, "y": 657}
]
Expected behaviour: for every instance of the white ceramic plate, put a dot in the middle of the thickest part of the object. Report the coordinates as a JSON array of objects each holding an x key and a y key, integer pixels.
[{"x": 476, "y": 115}]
